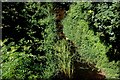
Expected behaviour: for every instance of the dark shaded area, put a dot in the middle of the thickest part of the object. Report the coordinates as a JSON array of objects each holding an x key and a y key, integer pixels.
[
  {"x": 16, "y": 25},
  {"x": 19, "y": 27},
  {"x": 64, "y": 5},
  {"x": 60, "y": 76},
  {"x": 15, "y": 22},
  {"x": 81, "y": 71},
  {"x": 10, "y": 20}
]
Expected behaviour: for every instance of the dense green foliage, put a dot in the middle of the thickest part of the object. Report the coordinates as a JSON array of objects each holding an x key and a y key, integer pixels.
[
  {"x": 25, "y": 30},
  {"x": 90, "y": 47},
  {"x": 30, "y": 49},
  {"x": 105, "y": 21}
]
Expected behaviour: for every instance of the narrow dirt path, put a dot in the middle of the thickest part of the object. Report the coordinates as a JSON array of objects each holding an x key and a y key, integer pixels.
[
  {"x": 60, "y": 14},
  {"x": 87, "y": 74}
]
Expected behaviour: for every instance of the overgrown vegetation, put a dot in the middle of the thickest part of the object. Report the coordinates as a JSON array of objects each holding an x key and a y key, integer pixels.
[
  {"x": 90, "y": 47},
  {"x": 31, "y": 50}
]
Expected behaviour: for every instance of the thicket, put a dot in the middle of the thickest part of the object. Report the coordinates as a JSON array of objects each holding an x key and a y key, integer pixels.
[
  {"x": 78, "y": 29},
  {"x": 30, "y": 49},
  {"x": 27, "y": 38}
]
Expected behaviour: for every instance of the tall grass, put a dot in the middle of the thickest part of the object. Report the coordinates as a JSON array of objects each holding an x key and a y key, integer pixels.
[{"x": 64, "y": 58}]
